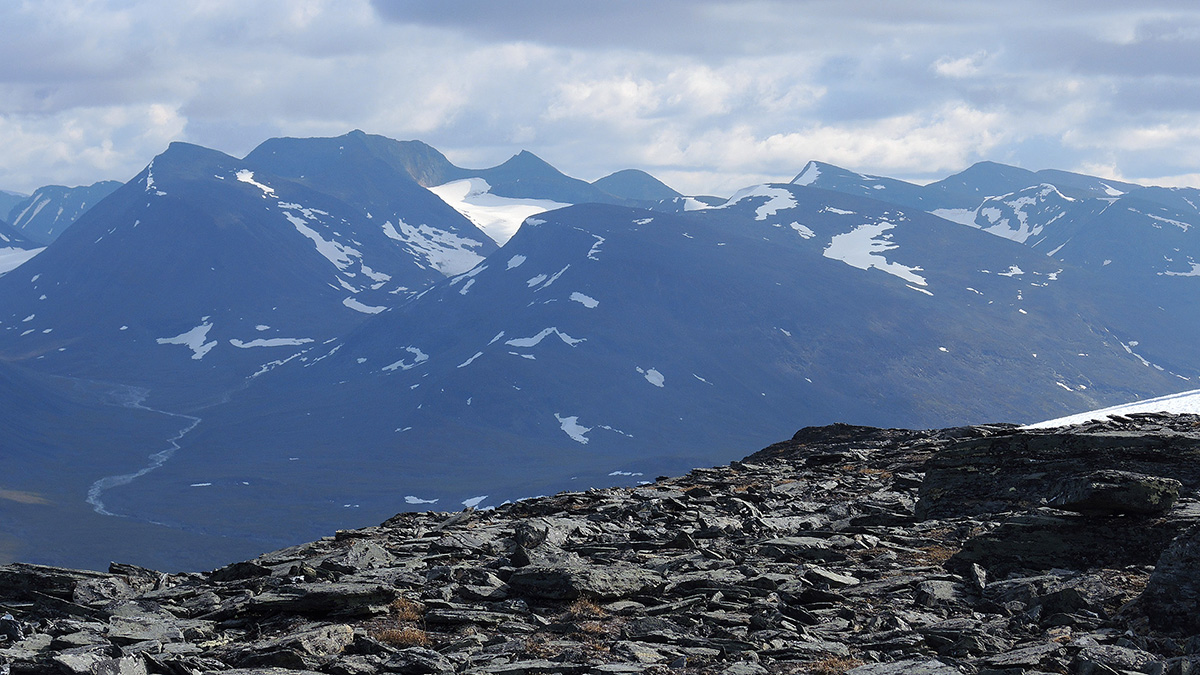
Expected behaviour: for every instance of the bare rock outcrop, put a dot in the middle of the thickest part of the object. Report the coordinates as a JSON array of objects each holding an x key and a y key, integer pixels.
[{"x": 985, "y": 550}]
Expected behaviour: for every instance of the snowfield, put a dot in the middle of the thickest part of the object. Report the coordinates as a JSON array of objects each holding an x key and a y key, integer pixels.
[
  {"x": 1183, "y": 402},
  {"x": 498, "y": 217}
]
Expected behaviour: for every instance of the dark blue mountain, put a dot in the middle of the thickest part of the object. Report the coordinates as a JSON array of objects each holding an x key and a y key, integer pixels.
[
  {"x": 605, "y": 344},
  {"x": 50, "y": 210},
  {"x": 307, "y": 339},
  {"x": 635, "y": 185},
  {"x": 205, "y": 270}
]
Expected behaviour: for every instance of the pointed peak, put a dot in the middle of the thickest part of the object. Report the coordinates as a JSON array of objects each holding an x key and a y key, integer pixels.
[{"x": 526, "y": 158}]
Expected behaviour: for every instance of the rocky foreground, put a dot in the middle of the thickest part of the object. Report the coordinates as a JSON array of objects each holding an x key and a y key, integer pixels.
[{"x": 844, "y": 550}]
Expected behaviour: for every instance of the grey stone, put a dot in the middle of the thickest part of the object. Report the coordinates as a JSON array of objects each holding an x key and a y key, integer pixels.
[
  {"x": 588, "y": 581},
  {"x": 1111, "y": 491},
  {"x": 906, "y": 667},
  {"x": 1114, "y": 657},
  {"x": 1173, "y": 593}
]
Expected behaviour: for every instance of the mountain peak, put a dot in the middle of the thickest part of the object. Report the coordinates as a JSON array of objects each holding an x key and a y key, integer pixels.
[
  {"x": 635, "y": 184},
  {"x": 526, "y": 161}
]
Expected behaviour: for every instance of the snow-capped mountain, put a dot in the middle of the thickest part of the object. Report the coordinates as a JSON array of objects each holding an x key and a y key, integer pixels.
[
  {"x": 605, "y": 343},
  {"x": 50, "y": 210},
  {"x": 205, "y": 269},
  {"x": 1142, "y": 243},
  {"x": 316, "y": 336},
  {"x": 499, "y": 199}
]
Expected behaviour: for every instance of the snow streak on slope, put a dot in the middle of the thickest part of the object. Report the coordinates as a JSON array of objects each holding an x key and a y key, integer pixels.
[
  {"x": 498, "y": 217},
  {"x": 445, "y": 251},
  {"x": 1186, "y": 402}
]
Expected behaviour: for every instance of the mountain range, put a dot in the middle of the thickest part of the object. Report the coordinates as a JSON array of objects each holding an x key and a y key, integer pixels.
[{"x": 330, "y": 330}]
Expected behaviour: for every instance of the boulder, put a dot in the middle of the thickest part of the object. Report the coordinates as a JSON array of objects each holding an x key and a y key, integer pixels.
[{"x": 1172, "y": 596}]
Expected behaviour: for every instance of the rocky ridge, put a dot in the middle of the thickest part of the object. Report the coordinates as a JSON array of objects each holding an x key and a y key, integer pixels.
[{"x": 975, "y": 550}]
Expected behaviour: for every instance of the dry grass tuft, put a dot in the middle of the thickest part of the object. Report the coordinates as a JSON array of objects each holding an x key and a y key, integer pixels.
[
  {"x": 938, "y": 554},
  {"x": 402, "y": 637},
  {"x": 586, "y": 609},
  {"x": 404, "y": 609}
]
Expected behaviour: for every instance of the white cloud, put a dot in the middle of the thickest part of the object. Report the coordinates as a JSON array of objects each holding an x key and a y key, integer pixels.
[
  {"x": 707, "y": 94},
  {"x": 966, "y": 66}
]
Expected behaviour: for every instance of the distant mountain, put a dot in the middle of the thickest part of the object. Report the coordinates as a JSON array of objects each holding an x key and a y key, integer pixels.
[
  {"x": 316, "y": 336},
  {"x": 50, "y": 210},
  {"x": 1141, "y": 242},
  {"x": 605, "y": 344},
  {"x": 496, "y": 200},
  {"x": 205, "y": 269},
  {"x": 635, "y": 185},
  {"x": 9, "y": 200},
  {"x": 830, "y": 177}
]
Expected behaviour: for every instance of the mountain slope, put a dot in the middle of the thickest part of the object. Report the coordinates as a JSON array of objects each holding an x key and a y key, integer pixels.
[
  {"x": 205, "y": 270},
  {"x": 50, "y": 210},
  {"x": 604, "y": 343}
]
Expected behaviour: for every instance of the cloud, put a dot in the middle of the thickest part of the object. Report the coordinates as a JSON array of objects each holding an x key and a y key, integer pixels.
[{"x": 705, "y": 93}]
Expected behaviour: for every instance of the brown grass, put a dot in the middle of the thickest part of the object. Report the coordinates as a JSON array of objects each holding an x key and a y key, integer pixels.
[
  {"x": 938, "y": 554},
  {"x": 593, "y": 628},
  {"x": 404, "y": 609},
  {"x": 586, "y": 609},
  {"x": 402, "y": 637}
]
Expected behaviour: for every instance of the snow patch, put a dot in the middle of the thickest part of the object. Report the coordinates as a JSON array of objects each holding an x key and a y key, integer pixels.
[
  {"x": 419, "y": 357},
  {"x": 572, "y": 427},
  {"x": 586, "y": 301},
  {"x": 193, "y": 339},
  {"x": 653, "y": 377},
  {"x": 409, "y": 499},
  {"x": 863, "y": 247},
  {"x": 474, "y": 501},
  {"x": 533, "y": 341},
  {"x": 247, "y": 176},
  {"x": 515, "y": 261},
  {"x": 803, "y": 231},
  {"x": 1195, "y": 272},
  {"x": 271, "y": 342},
  {"x": 360, "y": 307}
]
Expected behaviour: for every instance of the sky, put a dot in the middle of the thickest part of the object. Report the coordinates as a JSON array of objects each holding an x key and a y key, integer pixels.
[{"x": 707, "y": 95}]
